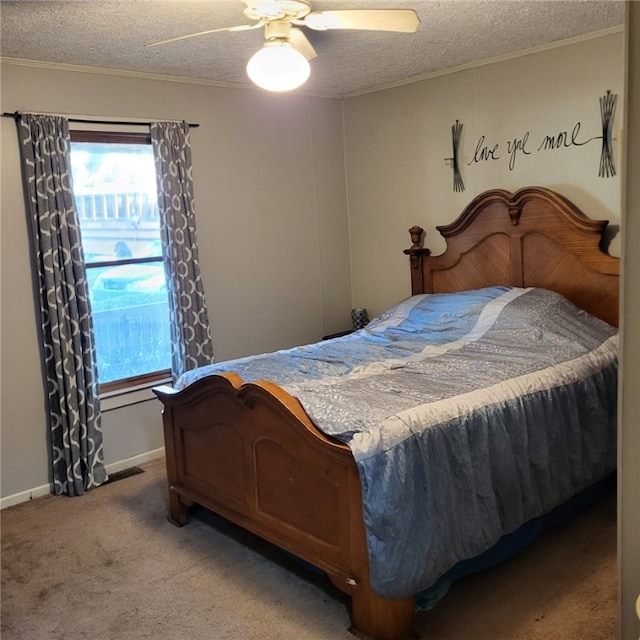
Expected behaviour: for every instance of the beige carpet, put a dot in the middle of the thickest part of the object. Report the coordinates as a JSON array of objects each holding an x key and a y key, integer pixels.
[{"x": 109, "y": 566}]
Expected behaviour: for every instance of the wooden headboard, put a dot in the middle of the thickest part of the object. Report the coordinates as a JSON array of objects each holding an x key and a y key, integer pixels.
[{"x": 531, "y": 238}]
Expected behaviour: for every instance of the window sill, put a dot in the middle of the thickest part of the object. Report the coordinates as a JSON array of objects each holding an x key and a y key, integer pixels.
[{"x": 130, "y": 395}]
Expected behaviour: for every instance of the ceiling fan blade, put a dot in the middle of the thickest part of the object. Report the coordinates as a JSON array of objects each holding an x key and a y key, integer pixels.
[
  {"x": 401, "y": 20},
  {"x": 242, "y": 27},
  {"x": 301, "y": 43}
]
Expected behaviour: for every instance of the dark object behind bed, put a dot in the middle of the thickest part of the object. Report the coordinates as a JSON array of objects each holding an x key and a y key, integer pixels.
[{"x": 250, "y": 453}]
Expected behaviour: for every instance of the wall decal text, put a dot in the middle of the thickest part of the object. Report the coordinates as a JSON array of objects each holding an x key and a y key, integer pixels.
[{"x": 524, "y": 145}]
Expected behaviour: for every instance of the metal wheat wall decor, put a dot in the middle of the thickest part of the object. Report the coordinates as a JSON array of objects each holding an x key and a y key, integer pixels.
[
  {"x": 456, "y": 134},
  {"x": 607, "y": 111}
]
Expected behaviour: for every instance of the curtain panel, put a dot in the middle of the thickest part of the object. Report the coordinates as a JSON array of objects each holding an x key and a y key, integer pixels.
[
  {"x": 190, "y": 334},
  {"x": 65, "y": 315}
]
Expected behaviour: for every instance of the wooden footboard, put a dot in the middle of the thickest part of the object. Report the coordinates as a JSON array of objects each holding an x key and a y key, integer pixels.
[{"x": 250, "y": 453}]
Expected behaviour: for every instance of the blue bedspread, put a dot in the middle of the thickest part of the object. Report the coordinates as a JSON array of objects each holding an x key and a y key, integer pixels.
[{"x": 468, "y": 414}]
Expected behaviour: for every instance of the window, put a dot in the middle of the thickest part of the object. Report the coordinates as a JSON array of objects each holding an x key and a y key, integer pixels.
[{"x": 114, "y": 186}]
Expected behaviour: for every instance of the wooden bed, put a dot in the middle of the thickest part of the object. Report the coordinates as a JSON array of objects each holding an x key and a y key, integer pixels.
[{"x": 250, "y": 453}]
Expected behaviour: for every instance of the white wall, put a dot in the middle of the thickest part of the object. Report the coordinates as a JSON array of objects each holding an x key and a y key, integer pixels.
[
  {"x": 272, "y": 228},
  {"x": 397, "y": 140}
]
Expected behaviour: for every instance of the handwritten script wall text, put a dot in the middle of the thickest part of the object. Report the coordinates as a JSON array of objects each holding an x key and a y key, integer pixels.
[{"x": 485, "y": 152}]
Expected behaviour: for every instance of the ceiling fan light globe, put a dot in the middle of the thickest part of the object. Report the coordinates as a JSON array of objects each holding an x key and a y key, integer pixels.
[{"x": 278, "y": 67}]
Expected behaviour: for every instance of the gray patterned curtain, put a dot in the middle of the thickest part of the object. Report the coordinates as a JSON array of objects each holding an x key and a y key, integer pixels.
[
  {"x": 190, "y": 335},
  {"x": 65, "y": 315}
]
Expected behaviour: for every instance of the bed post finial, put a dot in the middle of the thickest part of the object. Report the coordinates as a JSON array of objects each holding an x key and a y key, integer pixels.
[
  {"x": 416, "y": 237},
  {"x": 416, "y": 250}
]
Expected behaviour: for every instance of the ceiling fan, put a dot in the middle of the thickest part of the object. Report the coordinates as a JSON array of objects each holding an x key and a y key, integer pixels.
[{"x": 283, "y": 62}]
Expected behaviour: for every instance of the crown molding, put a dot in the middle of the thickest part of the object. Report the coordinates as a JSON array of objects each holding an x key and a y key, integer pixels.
[{"x": 60, "y": 66}]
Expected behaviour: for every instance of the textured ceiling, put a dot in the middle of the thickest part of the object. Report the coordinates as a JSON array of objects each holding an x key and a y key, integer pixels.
[{"x": 452, "y": 33}]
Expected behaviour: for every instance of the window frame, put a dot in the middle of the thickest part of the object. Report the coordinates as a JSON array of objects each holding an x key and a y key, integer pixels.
[{"x": 120, "y": 137}]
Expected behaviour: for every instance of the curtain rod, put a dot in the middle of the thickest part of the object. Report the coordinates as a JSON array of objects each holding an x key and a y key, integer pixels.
[{"x": 16, "y": 115}]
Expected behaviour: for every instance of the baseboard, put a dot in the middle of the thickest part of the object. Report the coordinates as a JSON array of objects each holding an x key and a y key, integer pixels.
[
  {"x": 25, "y": 496},
  {"x": 114, "y": 467}
]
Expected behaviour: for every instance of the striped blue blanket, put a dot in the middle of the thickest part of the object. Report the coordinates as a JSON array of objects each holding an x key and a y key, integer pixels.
[{"x": 468, "y": 414}]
